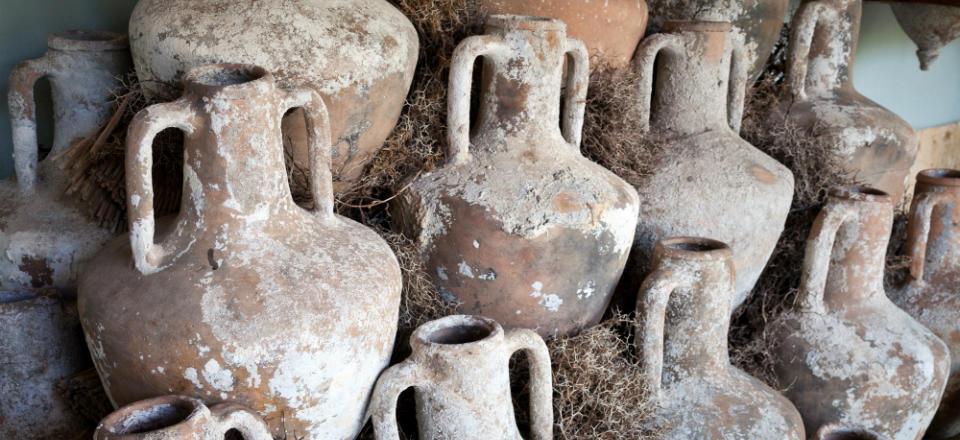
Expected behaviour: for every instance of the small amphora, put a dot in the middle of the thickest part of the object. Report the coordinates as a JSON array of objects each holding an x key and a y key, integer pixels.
[{"x": 181, "y": 418}]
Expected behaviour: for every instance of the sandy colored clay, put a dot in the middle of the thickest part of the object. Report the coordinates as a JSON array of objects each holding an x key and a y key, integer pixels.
[
  {"x": 848, "y": 355},
  {"x": 929, "y": 26},
  {"x": 243, "y": 296},
  {"x": 684, "y": 312},
  {"x": 709, "y": 182},
  {"x": 461, "y": 375},
  {"x": 180, "y": 418},
  {"x": 518, "y": 226}
]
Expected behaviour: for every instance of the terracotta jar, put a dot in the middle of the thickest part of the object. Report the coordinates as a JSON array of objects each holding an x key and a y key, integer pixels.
[
  {"x": 684, "y": 314},
  {"x": 42, "y": 344},
  {"x": 44, "y": 241},
  {"x": 359, "y": 55},
  {"x": 518, "y": 226},
  {"x": 929, "y": 26},
  {"x": 755, "y": 24},
  {"x": 837, "y": 432},
  {"x": 875, "y": 145},
  {"x": 243, "y": 296},
  {"x": 932, "y": 293},
  {"x": 460, "y": 372},
  {"x": 611, "y": 29},
  {"x": 709, "y": 182},
  {"x": 180, "y": 417},
  {"x": 847, "y": 354}
]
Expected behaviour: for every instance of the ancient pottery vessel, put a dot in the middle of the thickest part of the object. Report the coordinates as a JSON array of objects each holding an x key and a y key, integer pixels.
[
  {"x": 518, "y": 226},
  {"x": 610, "y": 29},
  {"x": 459, "y": 369},
  {"x": 42, "y": 344},
  {"x": 243, "y": 296},
  {"x": 848, "y": 354},
  {"x": 875, "y": 145},
  {"x": 838, "y": 432},
  {"x": 755, "y": 24},
  {"x": 44, "y": 240},
  {"x": 932, "y": 293},
  {"x": 709, "y": 181},
  {"x": 929, "y": 26},
  {"x": 358, "y": 54},
  {"x": 180, "y": 417},
  {"x": 684, "y": 307}
]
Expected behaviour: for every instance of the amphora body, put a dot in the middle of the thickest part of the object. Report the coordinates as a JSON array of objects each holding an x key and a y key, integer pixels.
[
  {"x": 243, "y": 296},
  {"x": 709, "y": 182},
  {"x": 459, "y": 370},
  {"x": 929, "y": 26},
  {"x": 180, "y": 417},
  {"x": 848, "y": 355},
  {"x": 876, "y": 146},
  {"x": 44, "y": 239},
  {"x": 932, "y": 292},
  {"x": 518, "y": 226},
  {"x": 684, "y": 306}
]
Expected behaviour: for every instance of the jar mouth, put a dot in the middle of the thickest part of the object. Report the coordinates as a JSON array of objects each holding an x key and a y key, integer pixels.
[
  {"x": 836, "y": 432},
  {"x": 458, "y": 331},
  {"x": 525, "y": 23},
  {"x": 860, "y": 193},
  {"x": 152, "y": 415},
  {"x": 939, "y": 177},
  {"x": 696, "y": 26},
  {"x": 695, "y": 248},
  {"x": 87, "y": 40},
  {"x": 237, "y": 79}
]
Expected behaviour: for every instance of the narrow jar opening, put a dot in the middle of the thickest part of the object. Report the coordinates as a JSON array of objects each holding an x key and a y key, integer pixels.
[
  {"x": 224, "y": 75},
  {"x": 87, "y": 40},
  {"x": 695, "y": 248},
  {"x": 461, "y": 334},
  {"x": 151, "y": 417},
  {"x": 83, "y": 35},
  {"x": 860, "y": 193},
  {"x": 940, "y": 176},
  {"x": 847, "y": 434}
]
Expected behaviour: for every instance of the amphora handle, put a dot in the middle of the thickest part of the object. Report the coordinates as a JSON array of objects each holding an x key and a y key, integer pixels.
[
  {"x": 918, "y": 232},
  {"x": 232, "y": 416},
  {"x": 23, "y": 119},
  {"x": 458, "y": 92},
  {"x": 383, "y": 404},
  {"x": 319, "y": 146},
  {"x": 804, "y": 27},
  {"x": 645, "y": 59},
  {"x": 819, "y": 249},
  {"x": 541, "y": 380}
]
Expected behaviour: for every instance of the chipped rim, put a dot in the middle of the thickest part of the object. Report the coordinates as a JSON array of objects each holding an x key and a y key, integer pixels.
[
  {"x": 114, "y": 423},
  {"x": 860, "y": 193},
  {"x": 939, "y": 177},
  {"x": 697, "y": 26},
  {"x": 235, "y": 80},
  {"x": 479, "y": 331},
  {"x": 87, "y": 41},
  {"x": 525, "y": 23},
  {"x": 694, "y": 248}
]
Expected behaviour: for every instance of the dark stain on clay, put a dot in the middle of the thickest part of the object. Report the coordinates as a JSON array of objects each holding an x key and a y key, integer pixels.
[
  {"x": 212, "y": 260},
  {"x": 40, "y": 272}
]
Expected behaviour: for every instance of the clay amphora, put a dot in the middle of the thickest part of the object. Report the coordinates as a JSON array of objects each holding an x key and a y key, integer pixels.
[
  {"x": 929, "y": 26},
  {"x": 755, "y": 24},
  {"x": 44, "y": 240},
  {"x": 709, "y": 181},
  {"x": 684, "y": 311},
  {"x": 243, "y": 296},
  {"x": 358, "y": 54},
  {"x": 611, "y": 29},
  {"x": 180, "y": 417},
  {"x": 875, "y": 145},
  {"x": 518, "y": 226},
  {"x": 838, "y": 432},
  {"x": 932, "y": 293},
  {"x": 42, "y": 344},
  {"x": 848, "y": 354},
  {"x": 459, "y": 369}
]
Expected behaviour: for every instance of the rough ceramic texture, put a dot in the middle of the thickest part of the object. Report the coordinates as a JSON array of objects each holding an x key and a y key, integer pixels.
[
  {"x": 838, "y": 432},
  {"x": 180, "y": 418},
  {"x": 709, "y": 182},
  {"x": 932, "y": 293},
  {"x": 755, "y": 24},
  {"x": 684, "y": 308},
  {"x": 874, "y": 144},
  {"x": 460, "y": 372},
  {"x": 518, "y": 225},
  {"x": 358, "y": 54},
  {"x": 929, "y": 26},
  {"x": 244, "y": 296},
  {"x": 42, "y": 343},
  {"x": 44, "y": 241},
  {"x": 611, "y": 29},
  {"x": 848, "y": 354}
]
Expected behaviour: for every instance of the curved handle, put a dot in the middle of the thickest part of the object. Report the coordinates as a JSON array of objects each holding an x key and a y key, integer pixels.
[
  {"x": 23, "y": 119},
  {"x": 575, "y": 96},
  {"x": 319, "y": 146},
  {"x": 541, "y": 380},
  {"x": 383, "y": 405},
  {"x": 458, "y": 93},
  {"x": 816, "y": 259},
  {"x": 229, "y": 416},
  {"x": 739, "y": 76},
  {"x": 804, "y": 26},
  {"x": 147, "y": 255},
  {"x": 645, "y": 60},
  {"x": 918, "y": 233},
  {"x": 652, "y": 303}
]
